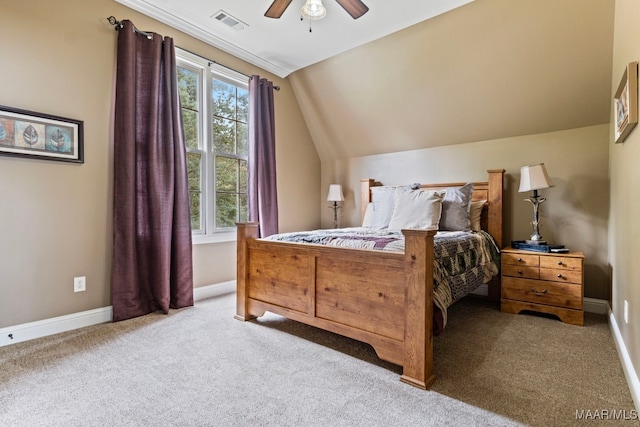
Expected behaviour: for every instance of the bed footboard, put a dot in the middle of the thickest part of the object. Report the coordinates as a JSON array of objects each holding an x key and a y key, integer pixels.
[{"x": 382, "y": 298}]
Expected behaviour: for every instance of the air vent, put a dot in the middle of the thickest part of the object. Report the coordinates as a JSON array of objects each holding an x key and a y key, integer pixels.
[{"x": 229, "y": 20}]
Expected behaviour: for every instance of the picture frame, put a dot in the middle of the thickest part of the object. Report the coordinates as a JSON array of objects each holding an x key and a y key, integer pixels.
[
  {"x": 40, "y": 136},
  {"x": 626, "y": 103}
]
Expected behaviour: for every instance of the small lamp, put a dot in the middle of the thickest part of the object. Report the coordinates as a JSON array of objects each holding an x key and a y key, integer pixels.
[
  {"x": 335, "y": 196},
  {"x": 535, "y": 178}
]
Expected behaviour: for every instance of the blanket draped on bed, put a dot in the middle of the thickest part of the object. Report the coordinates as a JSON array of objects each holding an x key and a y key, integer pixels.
[{"x": 462, "y": 260}]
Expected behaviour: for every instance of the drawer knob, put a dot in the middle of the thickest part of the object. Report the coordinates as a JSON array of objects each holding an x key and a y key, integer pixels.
[
  {"x": 519, "y": 271},
  {"x": 519, "y": 259},
  {"x": 559, "y": 262},
  {"x": 560, "y": 276},
  {"x": 539, "y": 293}
]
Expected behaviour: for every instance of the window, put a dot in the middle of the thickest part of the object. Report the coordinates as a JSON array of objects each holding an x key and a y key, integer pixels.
[{"x": 215, "y": 104}]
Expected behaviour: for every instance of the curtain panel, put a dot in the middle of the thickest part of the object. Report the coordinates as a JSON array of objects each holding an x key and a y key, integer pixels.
[
  {"x": 152, "y": 260},
  {"x": 262, "y": 189}
]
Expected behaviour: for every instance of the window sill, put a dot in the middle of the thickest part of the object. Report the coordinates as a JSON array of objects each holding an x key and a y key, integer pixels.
[{"x": 230, "y": 236}]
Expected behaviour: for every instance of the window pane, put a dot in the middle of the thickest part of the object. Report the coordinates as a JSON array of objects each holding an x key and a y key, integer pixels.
[
  {"x": 194, "y": 204},
  {"x": 244, "y": 217},
  {"x": 226, "y": 174},
  {"x": 190, "y": 121},
  {"x": 226, "y": 210},
  {"x": 188, "y": 84},
  {"x": 224, "y": 99},
  {"x": 194, "y": 174},
  {"x": 242, "y": 180},
  {"x": 242, "y": 139},
  {"x": 194, "y": 168},
  {"x": 243, "y": 104},
  {"x": 224, "y": 135},
  {"x": 225, "y": 149}
]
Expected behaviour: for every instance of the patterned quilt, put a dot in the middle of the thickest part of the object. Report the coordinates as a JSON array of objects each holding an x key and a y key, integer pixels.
[{"x": 463, "y": 260}]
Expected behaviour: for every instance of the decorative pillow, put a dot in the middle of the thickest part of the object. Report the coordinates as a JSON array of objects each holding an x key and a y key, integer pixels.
[
  {"x": 455, "y": 208},
  {"x": 368, "y": 219},
  {"x": 416, "y": 209},
  {"x": 475, "y": 212},
  {"x": 378, "y": 212}
]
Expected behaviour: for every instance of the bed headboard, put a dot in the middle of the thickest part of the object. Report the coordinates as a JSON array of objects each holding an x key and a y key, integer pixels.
[{"x": 490, "y": 190}]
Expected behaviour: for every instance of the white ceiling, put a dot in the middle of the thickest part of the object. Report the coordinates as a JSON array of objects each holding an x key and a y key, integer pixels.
[{"x": 284, "y": 45}]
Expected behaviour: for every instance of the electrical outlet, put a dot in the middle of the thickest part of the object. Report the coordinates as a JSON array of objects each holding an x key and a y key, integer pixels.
[
  {"x": 626, "y": 312},
  {"x": 79, "y": 284}
]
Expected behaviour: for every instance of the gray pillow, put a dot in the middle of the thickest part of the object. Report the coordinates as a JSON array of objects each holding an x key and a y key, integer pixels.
[{"x": 455, "y": 209}]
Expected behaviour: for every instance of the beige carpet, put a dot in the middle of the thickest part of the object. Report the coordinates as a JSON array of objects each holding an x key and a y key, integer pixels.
[{"x": 200, "y": 367}]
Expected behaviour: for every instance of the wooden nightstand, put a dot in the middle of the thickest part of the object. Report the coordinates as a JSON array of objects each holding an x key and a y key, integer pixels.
[{"x": 550, "y": 283}]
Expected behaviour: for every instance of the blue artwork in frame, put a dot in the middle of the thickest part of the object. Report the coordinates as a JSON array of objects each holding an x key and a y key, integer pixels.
[{"x": 28, "y": 134}]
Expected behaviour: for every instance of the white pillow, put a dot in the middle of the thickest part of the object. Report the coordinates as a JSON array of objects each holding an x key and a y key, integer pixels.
[
  {"x": 368, "y": 219},
  {"x": 475, "y": 212},
  {"x": 416, "y": 209},
  {"x": 455, "y": 208},
  {"x": 378, "y": 212}
]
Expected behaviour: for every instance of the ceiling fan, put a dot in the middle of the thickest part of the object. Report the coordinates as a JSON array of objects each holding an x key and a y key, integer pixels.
[{"x": 355, "y": 8}]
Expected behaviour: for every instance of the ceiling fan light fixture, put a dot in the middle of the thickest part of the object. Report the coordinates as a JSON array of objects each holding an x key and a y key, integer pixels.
[{"x": 314, "y": 10}]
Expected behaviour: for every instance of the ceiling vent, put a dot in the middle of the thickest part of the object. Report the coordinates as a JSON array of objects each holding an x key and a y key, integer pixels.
[{"x": 229, "y": 20}]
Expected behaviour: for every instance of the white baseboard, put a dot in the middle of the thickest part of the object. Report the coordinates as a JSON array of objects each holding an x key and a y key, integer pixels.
[
  {"x": 56, "y": 325},
  {"x": 214, "y": 290},
  {"x": 598, "y": 306},
  {"x": 627, "y": 366}
]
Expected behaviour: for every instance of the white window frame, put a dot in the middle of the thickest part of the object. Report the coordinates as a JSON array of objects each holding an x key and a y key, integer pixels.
[{"x": 209, "y": 70}]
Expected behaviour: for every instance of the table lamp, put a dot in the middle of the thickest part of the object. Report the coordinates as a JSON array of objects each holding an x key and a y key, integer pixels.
[
  {"x": 335, "y": 196},
  {"x": 534, "y": 178}
]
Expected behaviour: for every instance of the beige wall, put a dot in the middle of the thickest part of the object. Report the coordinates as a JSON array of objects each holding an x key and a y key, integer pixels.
[
  {"x": 575, "y": 214},
  {"x": 487, "y": 70},
  {"x": 491, "y": 84},
  {"x": 624, "y": 228},
  {"x": 55, "y": 218}
]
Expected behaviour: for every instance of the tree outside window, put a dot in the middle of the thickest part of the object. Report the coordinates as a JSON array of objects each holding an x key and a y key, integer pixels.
[{"x": 216, "y": 137}]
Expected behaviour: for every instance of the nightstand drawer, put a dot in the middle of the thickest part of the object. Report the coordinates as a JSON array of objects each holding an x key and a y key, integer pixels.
[
  {"x": 561, "y": 262},
  {"x": 520, "y": 271},
  {"x": 565, "y": 295},
  {"x": 521, "y": 259},
  {"x": 559, "y": 275}
]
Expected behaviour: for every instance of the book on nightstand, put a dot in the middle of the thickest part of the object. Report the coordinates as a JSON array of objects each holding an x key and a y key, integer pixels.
[{"x": 523, "y": 245}]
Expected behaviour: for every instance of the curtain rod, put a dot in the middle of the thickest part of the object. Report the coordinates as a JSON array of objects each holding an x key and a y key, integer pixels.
[
  {"x": 229, "y": 68},
  {"x": 222, "y": 65},
  {"x": 118, "y": 25}
]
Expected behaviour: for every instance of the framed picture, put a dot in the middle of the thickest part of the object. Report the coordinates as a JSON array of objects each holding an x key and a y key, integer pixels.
[
  {"x": 626, "y": 103},
  {"x": 41, "y": 136}
]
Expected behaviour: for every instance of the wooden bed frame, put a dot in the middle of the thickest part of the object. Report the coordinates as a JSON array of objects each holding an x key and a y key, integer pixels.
[{"x": 382, "y": 298}]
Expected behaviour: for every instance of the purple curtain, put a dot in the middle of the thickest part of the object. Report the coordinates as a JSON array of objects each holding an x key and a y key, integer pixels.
[
  {"x": 263, "y": 195},
  {"x": 152, "y": 264}
]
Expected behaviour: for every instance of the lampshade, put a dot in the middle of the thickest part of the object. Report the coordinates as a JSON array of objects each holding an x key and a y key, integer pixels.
[
  {"x": 335, "y": 193},
  {"x": 314, "y": 10},
  {"x": 534, "y": 178}
]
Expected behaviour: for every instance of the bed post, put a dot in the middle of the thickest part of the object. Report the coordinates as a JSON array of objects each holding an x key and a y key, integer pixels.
[
  {"x": 365, "y": 196},
  {"x": 496, "y": 186},
  {"x": 246, "y": 231},
  {"x": 418, "y": 323},
  {"x": 495, "y": 222}
]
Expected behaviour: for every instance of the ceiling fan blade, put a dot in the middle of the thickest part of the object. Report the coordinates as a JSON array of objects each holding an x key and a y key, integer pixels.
[
  {"x": 355, "y": 8},
  {"x": 277, "y": 8}
]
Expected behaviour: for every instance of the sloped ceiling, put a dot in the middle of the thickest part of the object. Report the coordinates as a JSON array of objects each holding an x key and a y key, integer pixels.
[
  {"x": 284, "y": 45},
  {"x": 488, "y": 70}
]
